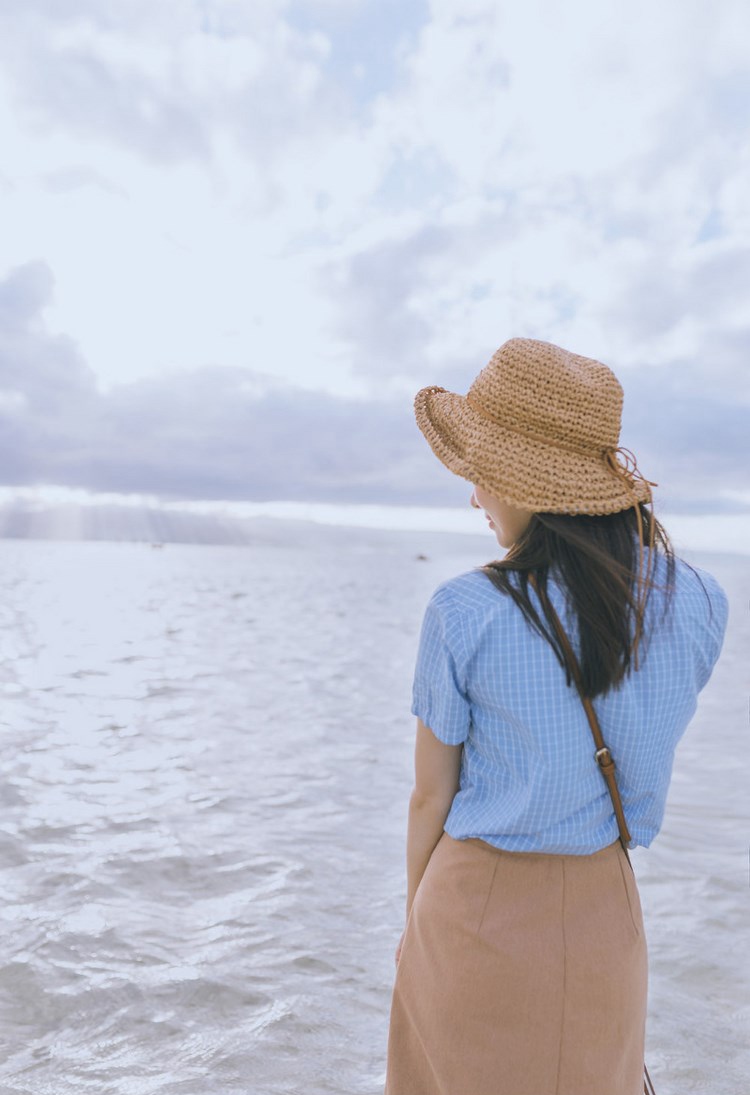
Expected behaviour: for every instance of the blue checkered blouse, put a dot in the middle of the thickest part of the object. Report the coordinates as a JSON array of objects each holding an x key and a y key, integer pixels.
[{"x": 529, "y": 781}]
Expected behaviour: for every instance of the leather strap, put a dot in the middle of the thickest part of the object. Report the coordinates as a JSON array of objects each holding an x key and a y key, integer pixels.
[
  {"x": 648, "y": 1087},
  {"x": 603, "y": 756}
]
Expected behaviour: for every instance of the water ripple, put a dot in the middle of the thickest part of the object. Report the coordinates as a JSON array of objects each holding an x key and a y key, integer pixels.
[{"x": 204, "y": 770}]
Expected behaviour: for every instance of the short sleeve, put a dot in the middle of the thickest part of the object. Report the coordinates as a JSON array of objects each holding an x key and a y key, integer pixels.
[
  {"x": 439, "y": 697},
  {"x": 710, "y": 639}
]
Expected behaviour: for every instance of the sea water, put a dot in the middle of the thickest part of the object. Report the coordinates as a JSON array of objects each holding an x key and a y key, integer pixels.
[{"x": 205, "y": 763}]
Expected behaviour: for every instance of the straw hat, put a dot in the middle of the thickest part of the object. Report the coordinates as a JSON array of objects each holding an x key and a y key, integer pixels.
[{"x": 539, "y": 429}]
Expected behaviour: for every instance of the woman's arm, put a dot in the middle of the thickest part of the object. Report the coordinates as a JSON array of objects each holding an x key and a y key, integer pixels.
[{"x": 436, "y": 781}]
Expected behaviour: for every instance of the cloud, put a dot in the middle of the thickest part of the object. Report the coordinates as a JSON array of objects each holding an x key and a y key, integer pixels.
[
  {"x": 591, "y": 173},
  {"x": 224, "y": 433},
  {"x": 46, "y": 369},
  {"x": 215, "y": 441},
  {"x": 691, "y": 437},
  {"x": 166, "y": 81},
  {"x": 84, "y": 80},
  {"x": 383, "y": 333},
  {"x": 357, "y": 200},
  {"x": 211, "y": 433},
  {"x": 84, "y": 94},
  {"x": 67, "y": 179},
  {"x": 46, "y": 389}
]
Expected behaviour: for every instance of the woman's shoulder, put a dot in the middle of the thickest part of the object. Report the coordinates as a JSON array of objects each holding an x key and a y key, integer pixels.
[
  {"x": 698, "y": 592},
  {"x": 469, "y": 594},
  {"x": 467, "y": 584},
  {"x": 462, "y": 609},
  {"x": 697, "y": 610}
]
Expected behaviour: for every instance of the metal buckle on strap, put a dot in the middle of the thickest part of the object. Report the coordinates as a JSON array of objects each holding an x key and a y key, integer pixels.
[{"x": 603, "y": 756}]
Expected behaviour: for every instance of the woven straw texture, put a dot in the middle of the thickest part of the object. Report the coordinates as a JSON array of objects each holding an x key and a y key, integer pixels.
[{"x": 535, "y": 430}]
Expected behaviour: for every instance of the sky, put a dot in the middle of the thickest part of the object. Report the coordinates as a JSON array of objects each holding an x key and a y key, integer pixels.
[{"x": 236, "y": 238}]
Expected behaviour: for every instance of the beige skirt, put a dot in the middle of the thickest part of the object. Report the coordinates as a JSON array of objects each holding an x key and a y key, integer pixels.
[{"x": 520, "y": 974}]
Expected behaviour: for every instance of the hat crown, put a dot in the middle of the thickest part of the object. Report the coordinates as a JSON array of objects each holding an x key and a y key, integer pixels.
[{"x": 539, "y": 389}]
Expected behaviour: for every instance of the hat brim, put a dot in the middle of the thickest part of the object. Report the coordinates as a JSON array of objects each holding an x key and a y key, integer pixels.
[{"x": 525, "y": 472}]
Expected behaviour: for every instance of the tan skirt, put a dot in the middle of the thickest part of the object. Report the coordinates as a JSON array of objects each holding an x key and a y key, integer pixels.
[{"x": 520, "y": 974}]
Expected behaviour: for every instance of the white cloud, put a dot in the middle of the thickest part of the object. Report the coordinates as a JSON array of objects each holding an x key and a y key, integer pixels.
[
  {"x": 224, "y": 433},
  {"x": 361, "y": 199},
  {"x": 215, "y": 432}
]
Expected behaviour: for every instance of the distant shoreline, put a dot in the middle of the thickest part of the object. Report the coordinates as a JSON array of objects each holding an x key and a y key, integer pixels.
[{"x": 282, "y": 523}]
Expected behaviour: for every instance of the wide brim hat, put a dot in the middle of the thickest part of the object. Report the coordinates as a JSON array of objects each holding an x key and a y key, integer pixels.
[{"x": 539, "y": 429}]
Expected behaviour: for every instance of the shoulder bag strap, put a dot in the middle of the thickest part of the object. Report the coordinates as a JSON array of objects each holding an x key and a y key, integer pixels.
[{"x": 602, "y": 754}]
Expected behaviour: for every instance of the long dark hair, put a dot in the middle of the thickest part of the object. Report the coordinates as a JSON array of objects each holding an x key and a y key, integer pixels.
[{"x": 598, "y": 560}]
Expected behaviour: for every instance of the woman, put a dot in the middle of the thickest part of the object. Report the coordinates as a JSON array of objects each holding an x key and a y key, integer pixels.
[{"x": 522, "y": 969}]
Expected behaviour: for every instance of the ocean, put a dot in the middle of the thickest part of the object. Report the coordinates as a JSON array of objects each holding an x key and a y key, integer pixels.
[{"x": 206, "y": 759}]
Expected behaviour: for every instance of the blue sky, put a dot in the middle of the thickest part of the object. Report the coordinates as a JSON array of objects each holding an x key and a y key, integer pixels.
[{"x": 236, "y": 238}]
